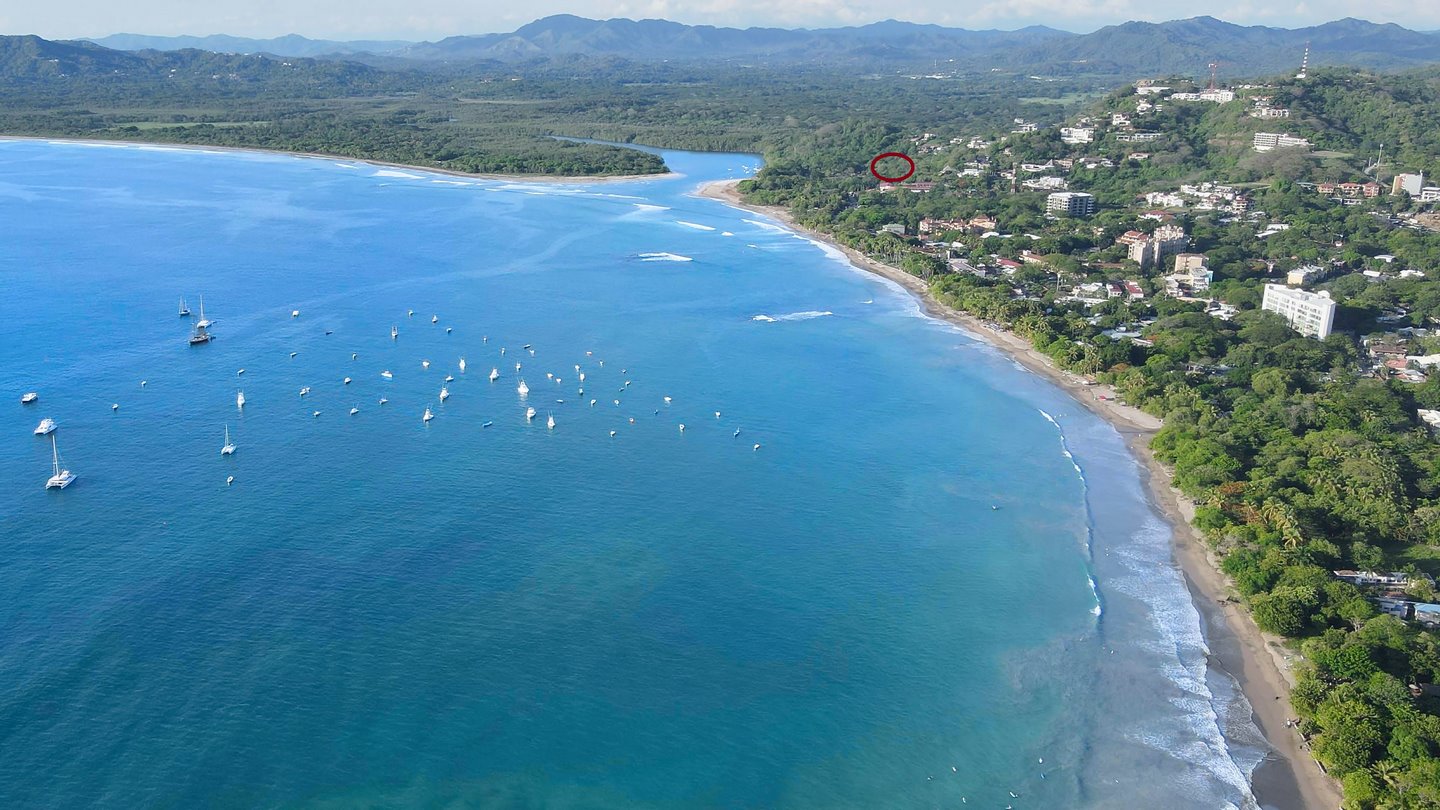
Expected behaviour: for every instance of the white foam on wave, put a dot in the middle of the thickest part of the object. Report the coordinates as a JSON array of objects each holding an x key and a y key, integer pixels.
[
  {"x": 452, "y": 182},
  {"x": 697, "y": 226},
  {"x": 393, "y": 173},
  {"x": 651, "y": 207},
  {"x": 1199, "y": 738},
  {"x": 726, "y": 233},
  {"x": 664, "y": 257},
  {"x": 769, "y": 226},
  {"x": 794, "y": 316}
]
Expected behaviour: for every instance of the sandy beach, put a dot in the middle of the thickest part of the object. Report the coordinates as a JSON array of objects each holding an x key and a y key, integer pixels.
[
  {"x": 379, "y": 164},
  {"x": 1289, "y": 779}
]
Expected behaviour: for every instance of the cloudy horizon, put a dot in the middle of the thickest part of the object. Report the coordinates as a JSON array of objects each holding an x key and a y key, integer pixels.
[{"x": 436, "y": 19}]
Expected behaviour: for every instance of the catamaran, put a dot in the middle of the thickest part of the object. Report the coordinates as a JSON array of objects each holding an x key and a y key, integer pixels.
[
  {"x": 201, "y": 335},
  {"x": 61, "y": 477},
  {"x": 184, "y": 310},
  {"x": 45, "y": 428},
  {"x": 30, "y": 396},
  {"x": 227, "y": 449}
]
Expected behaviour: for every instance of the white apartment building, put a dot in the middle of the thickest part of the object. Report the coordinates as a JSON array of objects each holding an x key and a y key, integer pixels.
[
  {"x": 1310, "y": 314},
  {"x": 1265, "y": 141}
]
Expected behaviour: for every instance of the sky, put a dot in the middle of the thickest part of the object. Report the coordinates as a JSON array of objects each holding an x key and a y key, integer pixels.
[{"x": 433, "y": 19}]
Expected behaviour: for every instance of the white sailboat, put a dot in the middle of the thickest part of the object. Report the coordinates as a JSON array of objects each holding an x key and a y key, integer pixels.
[
  {"x": 347, "y": 381},
  {"x": 354, "y": 410},
  {"x": 394, "y": 332},
  {"x": 428, "y": 416},
  {"x": 462, "y": 365},
  {"x": 444, "y": 393},
  {"x": 201, "y": 335},
  {"x": 228, "y": 449},
  {"x": 550, "y": 422},
  {"x": 61, "y": 477},
  {"x": 494, "y": 374},
  {"x": 434, "y": 318},
  {"x": 425, "y": 364},
  {"x": 240, "y": 400},
  {"x": 529, "y": 414},
  {"x": 184, "y": 310},
  {"x": 523, "y": 389}
]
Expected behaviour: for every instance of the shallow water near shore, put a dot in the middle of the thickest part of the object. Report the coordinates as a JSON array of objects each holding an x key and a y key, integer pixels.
[{"x": 937, "y": 578}]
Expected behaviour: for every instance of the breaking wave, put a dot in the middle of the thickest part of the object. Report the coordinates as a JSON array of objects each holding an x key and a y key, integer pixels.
[
  {"x": 664, "y": 257},
  {"x": 794, "y": 316},
  {"x": 697, "y": 226}
]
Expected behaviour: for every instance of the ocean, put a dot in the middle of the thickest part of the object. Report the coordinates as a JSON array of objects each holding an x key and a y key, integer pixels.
[{"x": 881, "y": 566}]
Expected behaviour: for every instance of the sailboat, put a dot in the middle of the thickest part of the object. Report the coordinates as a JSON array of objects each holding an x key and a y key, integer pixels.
[
  {"x": 61, "y": 478},
  {"x": 529, "y": 414},
  {"x": 229, "y": 447},
  {"x": 444, "y": 393},
  {"x": 394, "y": 332},
  {"x": 434, "y": 318},
  {"x": 494, "y": 374},
  {"x": 522, "y": 388},
  {"x": 550, "y": 422},
  {"x": 354, "y": 410},
  {"x": 184, "y": 310},
  {"x": 201, "y": 334},
  {"x": 462, "y": 365},
  {"x": 240, "y": 400},
  {"x": 428, "y": 416}
]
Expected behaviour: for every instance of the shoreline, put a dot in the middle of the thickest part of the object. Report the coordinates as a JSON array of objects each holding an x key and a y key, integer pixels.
[
  {"x": 379, "y": 164},
  {"x": 1289, "y": 778}
]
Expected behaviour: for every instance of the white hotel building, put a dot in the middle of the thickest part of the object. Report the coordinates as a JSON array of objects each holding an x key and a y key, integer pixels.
[{"x": 1310, "y": 314}]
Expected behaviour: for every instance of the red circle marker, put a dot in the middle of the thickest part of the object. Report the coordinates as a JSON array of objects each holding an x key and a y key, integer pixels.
[{"x": 900, "y": 155}]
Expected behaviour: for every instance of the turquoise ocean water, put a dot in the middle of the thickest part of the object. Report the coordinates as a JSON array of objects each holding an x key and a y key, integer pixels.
[{"x": 936, "y": 583}]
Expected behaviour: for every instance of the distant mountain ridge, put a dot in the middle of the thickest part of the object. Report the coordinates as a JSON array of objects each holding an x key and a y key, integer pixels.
[{"x": 1179, "y": 46}]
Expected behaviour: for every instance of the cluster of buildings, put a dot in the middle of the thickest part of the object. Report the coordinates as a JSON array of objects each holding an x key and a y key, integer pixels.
[
  {"x": 1202, "y": 197},
  {"x": 1265, "y": 111},
  {"x": 1190, "y": 278},
  {"x": 1414, "y": 185},
  {"x": 1147, "y": 250},
  {"x": 980, "y": 224},
  {"x": 1349, "y": 191},
  {"x": 1392, "y": 598}
]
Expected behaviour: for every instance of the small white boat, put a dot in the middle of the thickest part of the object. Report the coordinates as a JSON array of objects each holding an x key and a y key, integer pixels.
[
  {"x": 487, "y": 424},
  {"x": 240, "y": 399},
  {"x": 425, "y": 364},
  {"x": 31, "y": 396},
  {"x": 238, "y": 373},
  {"x": 354, "y": 356},
  {"x": 558, "y": 380},
  {"x": 462, "y": 365},
  {"x": 592, "y": 403},
  {"x": 410, "y": 314},
  {"x": 61, "y": 477},
  {"x": 292, "y": 354},
  {"x": 522, "y": 388},
  {"x": 142, "y": 385},
  {"x": 682, "y": 427},
  {"x": 667, "y": 400},
  {"x": 494, "y": 374},
  {"x": 449, "y": 329},
  {"x": 354, "y": 410},
  {"x": 304, "y": 391},
  {"x": 45, "y": 428},
  {"x": 444, "y": 393},
  {"x": 717, "y": 414},
  {"x": 582, "y": 376},
  {"x": 394, "y": 332},
  {"x": 612, "y": 434},
  {"x": 316, "y": 414},
  {"x": 383, "y": 400},
  {"x": 549, "y": 376},
  {"x": 115, "y": 406},
  {"x": 517, "y": 366},
  {"x": 448, "y": 378},
  {"x": 387, "y": 375},
  {"x": 502, "y": 351},
  {"x": 428, "y": 416},
  {"x": 228, "y": 448},
  {"x": 229, "y": 479},
  {"x": 434, "y": 318},
  {"x": 756, "y": 447},
  {"x": 737, "y": 431},
  {"x": 550, "y": 422},
  {"x": 617, "y": 402},
  {"x": 294, "y": 313},
  {"x": 184, "y": 310},
  {"x": 347, "y": 380},
  {"x": 529, "y": 414},
  {"x": 577, "y": 367}
]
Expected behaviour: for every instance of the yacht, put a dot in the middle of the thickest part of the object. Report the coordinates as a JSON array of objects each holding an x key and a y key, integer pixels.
[
  {"x": 529, "y": 414},
  {"x": 582, "y": 376},
  {"x": 487, "y": 424},
  {"x": 184, "y": 310},
  {"x": 387, "y": 375},
  {"x": 354, "y": 410},
  {"x": 240, "y": 399},
  {"x": 229, "y": 479},
  {"x": 383, "y": 400},
  {"x": 202, "y": 327},
  {"x": 29, "y": 397},
  {"x": 667, "y": 400},
  {"x": 394, "y": 332},
  {"x": 449, "y": 378},
  {"x": 62, "y": 477},
  {"x": 550, "y": 422},
  {"x": 444, "y": 393},
  {"x": 462, "y": 365},
  {"x": 494, "y": 374},
  {"x": 304, "y": 391},
  {"x": 425, "y": 364},
  {"x": 294, "y": 313},
  {"x": 316, "y": 414},
  {"x": 45, "y": 428},
  {"x": 347, "y": 381},
  {"x": 434, "y": 318},
  {"x": 228, "y": 449},
  {"x": 522, "y": 388},
  {"x": 428, "y": 416}
]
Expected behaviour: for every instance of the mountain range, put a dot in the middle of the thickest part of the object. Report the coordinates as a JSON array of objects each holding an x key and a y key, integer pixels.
[{"x": 1179, "y": 46}]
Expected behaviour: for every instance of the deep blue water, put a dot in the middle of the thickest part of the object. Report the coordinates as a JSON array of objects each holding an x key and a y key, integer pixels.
[{"x": 889, "y": 604}]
